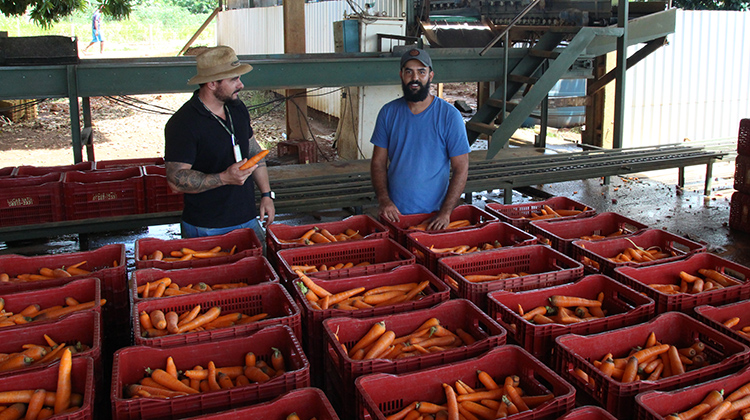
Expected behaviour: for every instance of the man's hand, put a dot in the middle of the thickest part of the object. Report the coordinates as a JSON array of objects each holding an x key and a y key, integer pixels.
[
  {"x": 439, "y": 222},
  {"x": 390, "y": 212},
  {"x": 267, "y": 209},
  {"x": 233, "y": 175}
]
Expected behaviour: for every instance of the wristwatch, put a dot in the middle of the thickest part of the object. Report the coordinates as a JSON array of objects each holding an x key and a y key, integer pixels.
[{"x": 270, "y": 194}]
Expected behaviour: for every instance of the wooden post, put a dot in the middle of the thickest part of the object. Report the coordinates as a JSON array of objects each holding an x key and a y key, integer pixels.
[{"x": 294, "y": 43}]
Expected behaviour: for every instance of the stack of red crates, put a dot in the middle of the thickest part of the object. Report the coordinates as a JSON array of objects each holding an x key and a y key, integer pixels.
[{"x": 739, "y": 211}]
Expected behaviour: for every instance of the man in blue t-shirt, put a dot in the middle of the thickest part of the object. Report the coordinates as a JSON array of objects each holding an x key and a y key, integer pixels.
[
  {"x": 418, "y": 140},
  {"x": 96, "y": 30}
]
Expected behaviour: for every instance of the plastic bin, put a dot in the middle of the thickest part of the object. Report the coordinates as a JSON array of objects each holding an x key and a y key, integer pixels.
[
  {"x": 44, "y": 170},
  {"x": 159, "y": 195},
  {"x": 743, "y": 137},
  {"x": 31, "y": 200},
  {"x": 129, "y": 364},
  {"x": 473, "y": 214},
  {"x": 84, "y": 327},
  {"x": 127, "y": 163},
  {"x": 588, "y": 412},
  {"x": 8, "y": 171},
  {"x": 276, "y": 233},
  {"x": 312, "y": 319},
  {"x": 656, "y": 405},
  {"x": 270, "y": 298},
  {"x": 623, "y": 306},
  {"x": 742, "y": 173},
  {"x": 380, "y": 395},
  {"x": 562, "y": 233},
  {"x": 247, "y": 243},
  {"x": 250, "y": 270},
  {"x": 715, "y": 316},
  {"x": 83, "y": 290},
  {"x": 639, "y": 278},
  {"x": 420, "y": 243},
  {"x": 306, "y": 402},
  {"x": 519, "y": 215},
  {"x": 81, "y": 378},
  {"x": 383, "y": 255},
  {"x": 725, "y": 355},
  {"x": 95, "y": 194},
  {"x": 600, "y": 251},
  {"x": 545, "y": 267},
  {"x": 739, "y": 212}
]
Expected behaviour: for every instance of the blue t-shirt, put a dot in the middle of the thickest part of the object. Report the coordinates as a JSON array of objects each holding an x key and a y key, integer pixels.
[{"x": 419, "y": 150}]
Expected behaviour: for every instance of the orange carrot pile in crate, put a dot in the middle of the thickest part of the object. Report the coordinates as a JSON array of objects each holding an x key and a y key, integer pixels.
[
  {"x": 157, "y": 323},
  {"x": 565, "y": 310},
  {"x": 466, "y": 249},
  {"x": 169, "y": 382},
  {"x": 711, "y": 280},
  {"x": 46, "y": 273},
  {"x": 34, "y": 312},
  {"x": 741, "y": 329},
  {"x": 359, "y": 297},
  {"x": 186, "y": 254},
  {"x": 164, "y": 287},
  {"x": 317, "y": 235},
  {"x": 714, "y": 406},
  {"x": 452, "y": 225},
  {"x": 547, "y": 212},
  {"x": 306, "y": 269},
  {"x": 35, "y": 354}
]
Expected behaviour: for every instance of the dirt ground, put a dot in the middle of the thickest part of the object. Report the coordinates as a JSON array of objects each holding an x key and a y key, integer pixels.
[{"x": 132, "y": 127}]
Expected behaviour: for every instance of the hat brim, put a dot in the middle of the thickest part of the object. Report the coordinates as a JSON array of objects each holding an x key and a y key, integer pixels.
[{"x": 236, "y": 71}]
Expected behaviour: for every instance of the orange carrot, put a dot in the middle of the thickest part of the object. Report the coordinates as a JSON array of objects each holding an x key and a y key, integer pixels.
[
  {"x": 64, "y": 385},
  {"x": 254, "y": 160},
  {"x": 370, "y": 337}
]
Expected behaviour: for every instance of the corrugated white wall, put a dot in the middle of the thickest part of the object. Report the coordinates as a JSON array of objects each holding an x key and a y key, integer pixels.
[
  {"x": 697, "y": 87},
  {"x": 260, "y": 30}
]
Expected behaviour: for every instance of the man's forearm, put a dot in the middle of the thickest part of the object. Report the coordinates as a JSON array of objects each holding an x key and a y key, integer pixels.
[
  {"x": 456, "y": 187},
  {"x": 190, "y": 181}
]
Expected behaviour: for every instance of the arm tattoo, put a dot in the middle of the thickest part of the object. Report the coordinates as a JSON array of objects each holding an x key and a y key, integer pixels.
[
  {"x": 189, "y": 180},
  {"x": 254, "y": 149}
]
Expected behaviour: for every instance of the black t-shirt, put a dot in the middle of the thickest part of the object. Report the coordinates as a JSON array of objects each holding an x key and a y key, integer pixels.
[{"x": 194, "y": 136}]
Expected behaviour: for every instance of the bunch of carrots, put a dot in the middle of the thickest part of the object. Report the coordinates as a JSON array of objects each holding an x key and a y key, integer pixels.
[
  {"x": 325, "y": 267},
  {"x": 46, "y": 273},
  {"x": 317, "y": 235},
  {"x": 169, "y": 382},
  {"x": 164, "y": 287},
  {"x": 34, "y": 312},
  {"x": 688, "y": 283},
  {"x": 358, "y": 297},
  {"x": 734, "y": 322},
  {"x": 430, "y": 337},
  {"x": 640, "y": 255},
  {"x": 596, "y": 237},
  {"x": 466, "y": 249},
  {"x": 37, "y": 355},
  {"x": 714, "y": 406},
  {"x": 493, "y": 400},
  {"x": 158, "y": 324},
  {"x": 548, "y": 212},
  {"x": 452, "y": 225},
  {"x": 651, "y": 362},
  {"x": 185, "y": 254},
  {"x": 565, "y": 310},
  {"x": 39, "y": 404}
]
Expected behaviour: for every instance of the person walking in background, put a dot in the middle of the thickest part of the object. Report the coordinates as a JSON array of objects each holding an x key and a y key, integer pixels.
[
  {"x": 418, "y": 140},
  {"x": 96, "y": 30},
  {"x": 207, "y": 142}
]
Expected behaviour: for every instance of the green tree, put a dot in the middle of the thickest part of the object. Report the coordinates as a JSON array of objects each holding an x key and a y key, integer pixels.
[
  {"x": 197, "y": 6},
  {"x": 47, "y": 12},
  {"x": 712, "y": 5}
]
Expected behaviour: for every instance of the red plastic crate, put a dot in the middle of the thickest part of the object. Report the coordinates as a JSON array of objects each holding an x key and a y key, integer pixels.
[
  {"x": 739, "y": 212},
  {"x": 639, "y": 278},
  {"x": 715, "y": 316},
  {"x": 600, "y": 251},
  {"x": 380, "y": 395},
  {"x": 81, "y": 378},
  {"x": 159, "y": 195},
  {"x": 83, "y": 290},
  {"x": 31, "y": 200},
  {"x": 656, "y": 405},
  {"x": 383, "y": 254},
  {"x": 562, "y": 233},
  {"x": 276, "y": 233},
  {"x": 545, "y": 267},
  {"x": 94, "y": 194},
  {"x": 742, "y": 173},
  {"x": 473, "y": 214},
  {"x": 250, "y": 270},
  {"x": 453, "y": 314},
  {"x": 588, "y": 412},
  {"x": 518, "y": 214},
  {"x": 420, "y": 243},
  {"x": 127, "y": 163},
  {"x": 623, "y": 306},
  {"x": 270, "y": 298},
  {"x": 743, "y": 137},
  {"x": 84, "y": 327},
  {"x": 247, "y": 243},
  {"x": 725, "y": 354},
  {"x": 7, "y": 171},
  {"x": 129, "y": 364},
  {"x": 306, "y": 402},
  {"x": 44, "y": 170},
  {"x": 312, "y": 319}
]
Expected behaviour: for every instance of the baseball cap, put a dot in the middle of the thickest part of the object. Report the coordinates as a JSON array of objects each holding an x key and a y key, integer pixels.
[{"x": 416, "y": 54}]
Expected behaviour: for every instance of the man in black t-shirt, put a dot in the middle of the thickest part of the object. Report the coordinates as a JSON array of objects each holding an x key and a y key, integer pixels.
[{"x": 207, "y": 141}]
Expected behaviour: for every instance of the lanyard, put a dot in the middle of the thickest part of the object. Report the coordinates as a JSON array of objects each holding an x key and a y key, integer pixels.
[{"x": 229, "y": 130}]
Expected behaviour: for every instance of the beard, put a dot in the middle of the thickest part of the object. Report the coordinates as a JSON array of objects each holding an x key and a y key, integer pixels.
[
  {"x": 227, "y": 97},
  {"x": 418, "y": 95}
]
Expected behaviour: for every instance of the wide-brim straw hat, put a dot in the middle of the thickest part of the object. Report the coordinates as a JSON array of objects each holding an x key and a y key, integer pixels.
[{"x": 218, "y": 63}]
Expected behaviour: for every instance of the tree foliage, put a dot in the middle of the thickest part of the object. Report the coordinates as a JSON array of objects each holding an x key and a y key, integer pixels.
[
  {"x": 46, "y": 12},
  {"x": 712, "y": 5},
  {"x": 197, "y": 6}
]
